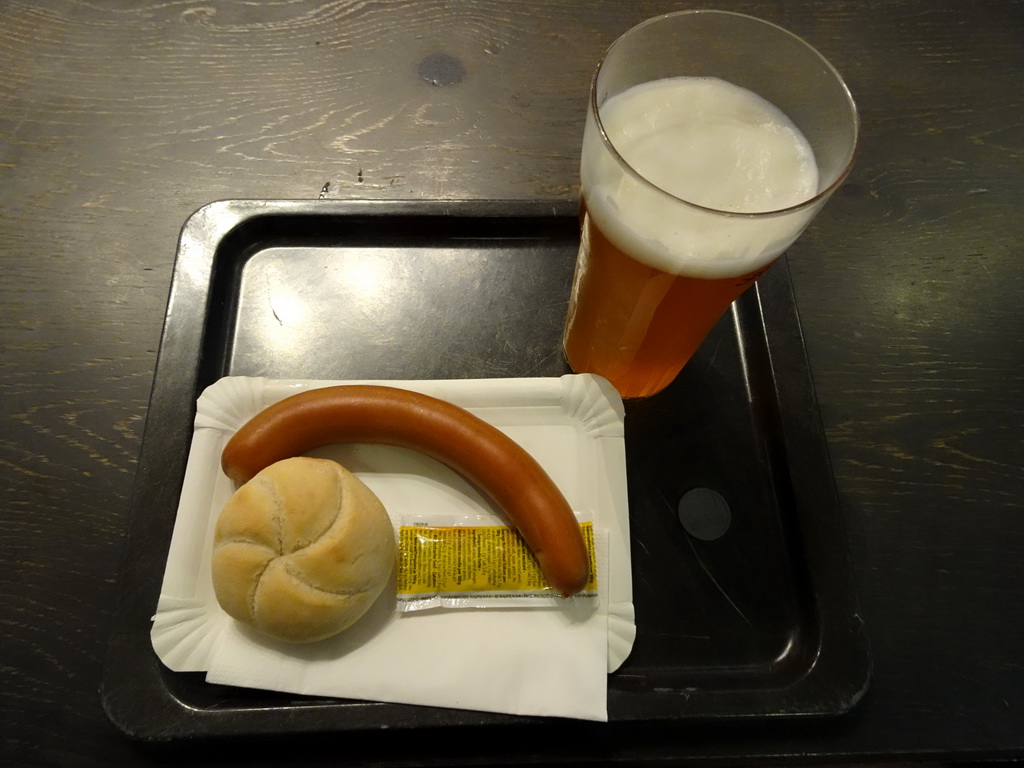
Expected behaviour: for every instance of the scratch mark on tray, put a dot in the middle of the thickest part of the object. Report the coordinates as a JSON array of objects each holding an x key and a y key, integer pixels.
[
  {"x": 715, "y": 582},
  {"x": 540, "y": 363},
  {"x": 270, "y": 302},
  {"x": 703, "y": 567},
  {"x": 714, "y": 355},
  {"x": 643, "y": 545}
]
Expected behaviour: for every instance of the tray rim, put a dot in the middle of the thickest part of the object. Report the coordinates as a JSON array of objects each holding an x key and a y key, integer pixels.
[{"x": 772, "y": 298}]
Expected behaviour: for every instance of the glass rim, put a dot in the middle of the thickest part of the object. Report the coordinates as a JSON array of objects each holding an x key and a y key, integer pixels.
[{"x": 820, "y": 196}]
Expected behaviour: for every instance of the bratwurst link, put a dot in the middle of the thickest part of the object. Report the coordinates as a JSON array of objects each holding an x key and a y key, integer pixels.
[{"x": 483, "y": 454}]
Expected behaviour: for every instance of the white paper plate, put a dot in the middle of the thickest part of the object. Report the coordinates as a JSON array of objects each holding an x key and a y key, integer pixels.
[{"x": 572, "y": 425}]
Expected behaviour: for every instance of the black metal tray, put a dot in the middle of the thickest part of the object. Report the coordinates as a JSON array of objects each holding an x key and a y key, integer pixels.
[{"x": 744, "y": 601}]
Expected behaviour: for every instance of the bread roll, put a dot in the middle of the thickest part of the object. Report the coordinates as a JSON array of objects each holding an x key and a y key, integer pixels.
[{"x": 302, "y": 550}]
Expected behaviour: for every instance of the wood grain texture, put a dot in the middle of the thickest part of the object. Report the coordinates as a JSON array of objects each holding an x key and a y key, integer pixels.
[
  {"x": 118, "y": 119},
  {"x": 919, "y": 369},
  {"x": 921, "y": 380}
]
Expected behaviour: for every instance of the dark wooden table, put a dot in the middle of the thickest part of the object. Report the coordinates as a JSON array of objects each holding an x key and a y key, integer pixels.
[{"x": 119, "y": 119}]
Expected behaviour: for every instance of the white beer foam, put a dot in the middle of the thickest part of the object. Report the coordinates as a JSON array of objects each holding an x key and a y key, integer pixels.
[{"x": 708, "y": 142}]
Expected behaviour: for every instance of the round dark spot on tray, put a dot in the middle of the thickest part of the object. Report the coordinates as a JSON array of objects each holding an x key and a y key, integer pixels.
[{"x": 704, "y": 514}]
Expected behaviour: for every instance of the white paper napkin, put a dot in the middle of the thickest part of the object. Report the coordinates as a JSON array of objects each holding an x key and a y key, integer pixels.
[{"x": 533, "y": 661}]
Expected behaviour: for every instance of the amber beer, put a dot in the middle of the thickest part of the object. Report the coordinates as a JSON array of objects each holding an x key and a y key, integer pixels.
[{"x": 634, "y": 324}]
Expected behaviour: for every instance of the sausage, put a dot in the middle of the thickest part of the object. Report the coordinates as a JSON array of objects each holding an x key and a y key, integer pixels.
[{"x": 483, "y": 454}]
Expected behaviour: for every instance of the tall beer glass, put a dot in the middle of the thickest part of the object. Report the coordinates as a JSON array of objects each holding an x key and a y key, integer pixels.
[{"x": 711, "y": 141}]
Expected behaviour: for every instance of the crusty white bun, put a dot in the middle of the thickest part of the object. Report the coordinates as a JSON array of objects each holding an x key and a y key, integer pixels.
[{"x": 301, "y": 551}]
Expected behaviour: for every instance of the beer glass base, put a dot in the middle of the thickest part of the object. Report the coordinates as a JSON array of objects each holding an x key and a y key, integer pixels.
[{"x": 626, "y": 393}]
